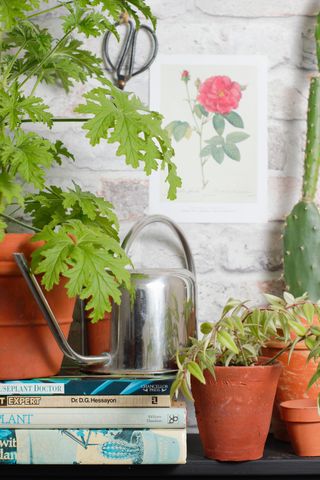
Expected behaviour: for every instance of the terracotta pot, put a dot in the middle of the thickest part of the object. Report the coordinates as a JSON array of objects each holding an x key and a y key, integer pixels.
[
  {"x": 303, "y": 424},
  {"x": 27, "y": 347},
  {"x": 99, "y": 336},
  {"x": 234, "y": 411},
  {"x": 293, "y": 382}
]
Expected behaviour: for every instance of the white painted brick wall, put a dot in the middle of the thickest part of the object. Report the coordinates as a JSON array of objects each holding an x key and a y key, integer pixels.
[{"x": 231, "y": 260}]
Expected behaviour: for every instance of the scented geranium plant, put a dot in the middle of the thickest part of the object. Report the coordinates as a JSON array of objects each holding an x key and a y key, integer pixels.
[
  {"x": 78, "y": 230},
  {"x": 241, "y": 333},
  {"x": 212, "y": 104}
]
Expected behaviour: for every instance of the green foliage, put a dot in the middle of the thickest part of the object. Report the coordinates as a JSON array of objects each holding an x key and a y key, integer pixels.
[
  {"x": 53, "y": 207},
  {"x": 93, "y": 262},
  {"x": 11, "y": 11},
  {"x": 179, "y": 130},
  {"x": 238, "y": 337},
  {"x": 120, "y": 117},
  {"x": 234, "y": 119},
  {"x": 79, "y": 229},
  {"x": 26, "y": 154},
  {"x": 219, "y": 123}
]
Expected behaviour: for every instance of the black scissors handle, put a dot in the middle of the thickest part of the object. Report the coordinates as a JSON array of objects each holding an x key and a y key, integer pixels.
[{"x": 126, "y": 59}]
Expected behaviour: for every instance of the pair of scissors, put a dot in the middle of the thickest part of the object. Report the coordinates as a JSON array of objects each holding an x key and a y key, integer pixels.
[{"x": 123, "y": 67}]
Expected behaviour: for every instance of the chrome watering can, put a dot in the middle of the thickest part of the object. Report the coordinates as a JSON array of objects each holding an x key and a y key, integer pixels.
[{"x": 147, "y": 327}]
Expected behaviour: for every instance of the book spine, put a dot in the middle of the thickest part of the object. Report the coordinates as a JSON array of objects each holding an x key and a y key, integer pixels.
[
  {"x": 87, "y": 386},
  {"x": 88, "y": 401},
  {"x": 174, "y": 417},
  {"x": 92, "y": 446}
]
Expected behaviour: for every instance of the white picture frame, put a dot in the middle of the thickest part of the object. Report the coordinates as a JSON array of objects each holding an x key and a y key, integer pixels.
[{"x": 232, "y": 93}]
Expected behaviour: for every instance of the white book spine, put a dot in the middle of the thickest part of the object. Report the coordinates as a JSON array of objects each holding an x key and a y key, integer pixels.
[{"x": 174, "y": 417}]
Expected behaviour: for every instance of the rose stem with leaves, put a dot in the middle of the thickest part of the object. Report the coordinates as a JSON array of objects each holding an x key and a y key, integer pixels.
[{"x": 199, "y": 130}]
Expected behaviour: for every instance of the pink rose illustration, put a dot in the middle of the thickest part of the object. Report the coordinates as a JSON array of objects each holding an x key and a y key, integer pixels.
[
  {"x": 212, "y": 113},
  {"x": 219, "y": 94}
]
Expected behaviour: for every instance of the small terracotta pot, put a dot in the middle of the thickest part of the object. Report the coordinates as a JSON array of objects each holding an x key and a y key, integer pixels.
[
  {"x": 303, "y": 424},
  {"x": 293, "y": 381},
  {"x": 27, "y": 347},
  {"x": 234, "y": 410},
  {"x": 99, "y": 335}
]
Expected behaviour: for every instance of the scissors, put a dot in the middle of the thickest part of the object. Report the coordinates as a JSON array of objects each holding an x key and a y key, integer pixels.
[{"x": 123, "y": 67}]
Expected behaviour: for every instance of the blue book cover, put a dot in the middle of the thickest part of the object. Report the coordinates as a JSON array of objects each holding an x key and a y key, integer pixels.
[
  {"x": 98, "y": 446},
  {"x": 102, "y": 385}
]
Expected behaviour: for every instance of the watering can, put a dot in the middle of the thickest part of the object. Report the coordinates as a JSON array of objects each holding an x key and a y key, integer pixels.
[{"x": 149, "y": 325}]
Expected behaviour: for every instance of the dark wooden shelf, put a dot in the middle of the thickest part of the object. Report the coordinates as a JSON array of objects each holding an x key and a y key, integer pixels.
[{"x": 278, "y": 460}]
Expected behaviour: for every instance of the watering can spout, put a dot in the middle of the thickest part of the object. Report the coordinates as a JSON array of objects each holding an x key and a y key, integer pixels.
[{"x": 104, "y": 358}]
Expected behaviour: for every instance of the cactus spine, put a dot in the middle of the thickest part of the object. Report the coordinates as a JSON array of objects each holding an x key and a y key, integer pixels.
[{"x": 302, "y": 227}]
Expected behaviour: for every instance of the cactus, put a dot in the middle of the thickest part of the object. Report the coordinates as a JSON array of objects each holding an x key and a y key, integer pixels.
[{"x": 302, "y": 226}]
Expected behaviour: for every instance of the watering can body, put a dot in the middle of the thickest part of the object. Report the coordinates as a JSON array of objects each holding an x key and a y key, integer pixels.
[
  {"x": 148, "y": 329},
  {"x": 152, "y": 322}
]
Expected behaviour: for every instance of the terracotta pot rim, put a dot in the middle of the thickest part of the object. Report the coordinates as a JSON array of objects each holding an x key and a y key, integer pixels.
[
  {"x": 301, "y": 410},
  {"x": 277, "y": 345},
  {"x": 18, "y": 235},
  {"x": 256, "y": 366}
]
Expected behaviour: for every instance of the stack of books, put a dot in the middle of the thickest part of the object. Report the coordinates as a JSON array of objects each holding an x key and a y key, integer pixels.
[{"x": 91, "y": 420}]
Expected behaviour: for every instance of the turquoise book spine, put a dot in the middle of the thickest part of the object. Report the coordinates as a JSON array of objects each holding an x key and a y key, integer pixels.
[{"x": 93, "y": 446}]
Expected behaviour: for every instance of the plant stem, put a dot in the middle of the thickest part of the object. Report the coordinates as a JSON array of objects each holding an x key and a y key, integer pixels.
[
  {"x": 18, "y": 222},
  {"x": 35, "y": 85},
  {"x": 57, "y": 45},
  {"x": 57, "y": 120},
  {"x": 42, "y": 12},
  {"x": 7, "y": 72},
  {"x": 203, "y": 162},
  {"x": 283, "y": 350},
  {"x": 191, "y": 109},
  {"x": 199, "y": 130}
]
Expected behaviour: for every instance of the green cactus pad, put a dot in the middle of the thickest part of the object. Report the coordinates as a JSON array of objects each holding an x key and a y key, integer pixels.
[{"x": 302, "y": 250}]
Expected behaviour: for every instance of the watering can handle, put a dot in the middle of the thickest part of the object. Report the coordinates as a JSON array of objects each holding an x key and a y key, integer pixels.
[
  {"x": 56, "y": 331},
  {"x": 140, "y": 225}
]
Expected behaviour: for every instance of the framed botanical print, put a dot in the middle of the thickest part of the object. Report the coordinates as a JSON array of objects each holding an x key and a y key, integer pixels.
[{"x": 215, "y": 111}]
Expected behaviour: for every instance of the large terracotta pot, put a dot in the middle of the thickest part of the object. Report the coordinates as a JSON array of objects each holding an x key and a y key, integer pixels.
[
  {"x": 234, "y": 411},
  {"x": 293, "y": 382},
  {"x": 27, "y": 347}
]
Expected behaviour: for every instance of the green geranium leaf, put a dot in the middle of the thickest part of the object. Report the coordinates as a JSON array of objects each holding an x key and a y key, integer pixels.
[
  {"x": 91, "y": 23},
  {"x": 11, "y": 11},
  {"x": 10, "y": 190},
  {"x": 54, "y": 207},
  {"x": 14, "y": 107},
  {"x": 59, "y": 150},
  {"x": 235, "y": 119},
  {"x": 27, "y": 154},
  {"x": 120, "y": 117},
  {"x": 93, "y": 262}
]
